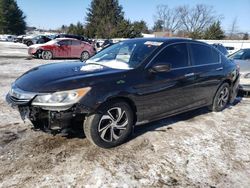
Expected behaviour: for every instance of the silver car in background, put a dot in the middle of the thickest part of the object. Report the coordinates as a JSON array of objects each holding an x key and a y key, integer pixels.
[{"x": 242, "y": 58}]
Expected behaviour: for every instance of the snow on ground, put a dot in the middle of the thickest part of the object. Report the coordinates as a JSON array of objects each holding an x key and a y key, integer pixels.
[
  {"x": 195, "y": 149},
  {"x": 10, "y": 49}
]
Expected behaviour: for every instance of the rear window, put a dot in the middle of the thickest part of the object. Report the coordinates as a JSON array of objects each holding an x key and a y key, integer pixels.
[{"x": 203, "y": 55}]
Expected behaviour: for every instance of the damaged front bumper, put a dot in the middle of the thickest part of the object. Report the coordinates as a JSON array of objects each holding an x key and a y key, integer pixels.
[{"x": 48, "y": 120}]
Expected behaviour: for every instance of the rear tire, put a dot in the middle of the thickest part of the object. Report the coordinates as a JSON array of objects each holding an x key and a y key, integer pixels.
[
  {"x": 47, "y": 55},
  {"x": 221, "y": 98},
  {"x": 111, "y": 128},
  {"x": 29, "y": 43}
]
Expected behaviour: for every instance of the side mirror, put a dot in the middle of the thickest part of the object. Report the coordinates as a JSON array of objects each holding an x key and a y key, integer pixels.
[{"x": 160, "y": 68}]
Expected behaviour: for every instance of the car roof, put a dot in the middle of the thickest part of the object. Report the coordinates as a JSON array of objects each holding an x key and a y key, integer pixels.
[
  {"x": 167, "y": 40},
  {"x": 59, "y": 39}
]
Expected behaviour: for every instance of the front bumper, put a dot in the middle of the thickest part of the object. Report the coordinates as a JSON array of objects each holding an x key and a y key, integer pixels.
[
  {"x": 48, "y": 120},
  {"x": 244, "y": 87},
  {"x": 32, "y": 51},
  {"x": 245, "y": 82}
]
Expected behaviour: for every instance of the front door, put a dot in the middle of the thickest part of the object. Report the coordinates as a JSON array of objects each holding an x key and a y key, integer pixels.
[
  {"x": 164, "y": 93},
  {"x": 64, "y": 49}
]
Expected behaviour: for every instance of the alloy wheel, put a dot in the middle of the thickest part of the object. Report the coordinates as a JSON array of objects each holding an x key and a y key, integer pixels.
[
  {"x": 47, "y": 55},
  {"x": 223, "y": 97},
  {"x": 113, "y": 124},
  {"x": 85, "y": 56}
]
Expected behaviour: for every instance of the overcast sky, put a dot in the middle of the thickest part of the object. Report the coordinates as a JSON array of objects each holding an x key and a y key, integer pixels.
[{"x": 52, "y": 14}]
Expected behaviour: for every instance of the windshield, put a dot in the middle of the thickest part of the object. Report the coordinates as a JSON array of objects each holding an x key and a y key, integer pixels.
[
  {"x": 125, "y": 55},
  {"x": 237, "y": 55}
]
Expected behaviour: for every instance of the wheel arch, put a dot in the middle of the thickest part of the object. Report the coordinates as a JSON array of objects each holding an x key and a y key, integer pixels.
[{"x": 222, "y": 82}]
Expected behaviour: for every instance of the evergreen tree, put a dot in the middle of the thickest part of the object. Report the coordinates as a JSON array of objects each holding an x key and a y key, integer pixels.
[
  {"x": 158, "y": 26},
  {"x": 103, "y": 17},
  {"x": 140, "y": 27},
  {"x": 76, "y": 29},
  {"x": 12, "y": 19},
  {"x": 124, "y": 29},
  {"x": 195, "y": 35},
  {"x": 214, "y": 32}
]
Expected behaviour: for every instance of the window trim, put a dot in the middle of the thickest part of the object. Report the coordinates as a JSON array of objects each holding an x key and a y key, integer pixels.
[
  {"x": 192, "y": 57},
  {"x": 66, "y": 40},
  {"x": 189, "y": 62}
]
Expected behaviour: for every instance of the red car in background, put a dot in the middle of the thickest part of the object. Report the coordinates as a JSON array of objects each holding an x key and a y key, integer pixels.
[{"x": 63, "y": 48}]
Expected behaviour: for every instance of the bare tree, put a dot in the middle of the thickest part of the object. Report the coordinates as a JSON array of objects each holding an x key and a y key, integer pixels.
[
  {"x": 169, "y": 18},
  {"x": 196, "y": 19},
  {"x": 233, "y": 29}
]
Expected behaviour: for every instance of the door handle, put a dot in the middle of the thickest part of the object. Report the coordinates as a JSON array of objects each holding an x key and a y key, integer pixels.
[
  {"x": 189, "y": 74},
  {"x": 220, "y": 68}
]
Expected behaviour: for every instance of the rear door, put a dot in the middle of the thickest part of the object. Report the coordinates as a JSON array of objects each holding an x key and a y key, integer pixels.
[
  {"x": 76, "y": 48},
  {"x": 208, "y": 71}
]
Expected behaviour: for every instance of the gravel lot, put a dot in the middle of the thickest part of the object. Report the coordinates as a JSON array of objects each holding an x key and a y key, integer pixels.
[{"x": 195, "y": 149}]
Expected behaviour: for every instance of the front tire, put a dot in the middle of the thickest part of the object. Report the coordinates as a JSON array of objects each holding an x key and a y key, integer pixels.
[
  {"x": 47, "y": 55},
  {"x": 111, "y": 128},
  {"x": 221, "y": 98},
  {"x": 84, "y": 56}
]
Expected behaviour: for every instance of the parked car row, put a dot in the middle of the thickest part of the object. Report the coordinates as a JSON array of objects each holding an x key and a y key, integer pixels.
[{"x": 40, "y": 39}]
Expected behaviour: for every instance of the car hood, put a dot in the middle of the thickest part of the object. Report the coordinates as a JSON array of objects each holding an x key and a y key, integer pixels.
[{"x": 62, "y": 76}]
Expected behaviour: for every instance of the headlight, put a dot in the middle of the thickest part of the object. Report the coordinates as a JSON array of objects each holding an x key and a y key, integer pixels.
[{"x": 62, "y": 98}]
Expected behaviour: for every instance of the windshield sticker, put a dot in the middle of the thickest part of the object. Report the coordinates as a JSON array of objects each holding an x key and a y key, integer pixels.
[
  {"x": 153, "y": 43},
  {"x": 89, "y": 68}
]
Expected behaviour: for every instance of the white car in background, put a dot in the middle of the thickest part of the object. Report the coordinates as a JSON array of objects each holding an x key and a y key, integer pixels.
[
  {"x": 242, "y": 58},
  {"x": 8, "y": 38}
]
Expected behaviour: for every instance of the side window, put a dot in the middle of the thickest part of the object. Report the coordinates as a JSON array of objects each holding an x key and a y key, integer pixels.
[
  {"x": 202, "y": 54},
  {"x": 64, "y": 42},
  {"x": 215, "y": 56},
  {"x": 175, "y": 54},
  {"x": 76, "y": 43},
  {"x": 246, "y": 55}
]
